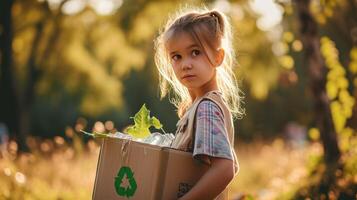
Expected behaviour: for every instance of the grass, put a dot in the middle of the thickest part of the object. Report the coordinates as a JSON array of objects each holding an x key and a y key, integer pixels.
[
  {"x": 269, "y": 169},
  {"x": 60, "y": 169},
  {"x": 53, "y": 170}
]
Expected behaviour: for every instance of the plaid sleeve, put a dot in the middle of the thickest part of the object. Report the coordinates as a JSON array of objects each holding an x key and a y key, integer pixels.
[{"x": 211, "y": 138}]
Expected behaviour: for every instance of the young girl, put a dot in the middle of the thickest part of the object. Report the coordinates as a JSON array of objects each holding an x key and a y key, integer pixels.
[{"x": 195, "y": 58}]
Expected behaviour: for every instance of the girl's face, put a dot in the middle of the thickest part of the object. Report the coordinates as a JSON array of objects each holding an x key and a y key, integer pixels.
[{"x": 191, "y": 65}]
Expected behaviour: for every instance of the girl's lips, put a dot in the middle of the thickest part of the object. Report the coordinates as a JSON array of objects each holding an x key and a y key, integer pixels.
[{"x": 188, "y": 76}]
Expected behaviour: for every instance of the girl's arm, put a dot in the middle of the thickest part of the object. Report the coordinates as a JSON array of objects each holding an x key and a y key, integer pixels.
[{"x": 214, "y": 181}]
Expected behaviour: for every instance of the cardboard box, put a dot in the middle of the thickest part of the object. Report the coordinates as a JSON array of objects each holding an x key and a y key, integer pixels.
[{"x": 137, "y": 171}]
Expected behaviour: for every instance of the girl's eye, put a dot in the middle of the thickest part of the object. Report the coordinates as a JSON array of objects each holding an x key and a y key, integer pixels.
[
  {"x": 176, "y": 57},
  {"x": 195, "y": 52}
]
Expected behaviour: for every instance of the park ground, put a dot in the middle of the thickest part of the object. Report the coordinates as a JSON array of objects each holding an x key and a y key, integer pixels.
[{"x": 61, "y": 169}]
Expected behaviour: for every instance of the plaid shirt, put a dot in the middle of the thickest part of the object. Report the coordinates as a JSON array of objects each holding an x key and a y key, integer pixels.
[{"x": 211, "y": 138}]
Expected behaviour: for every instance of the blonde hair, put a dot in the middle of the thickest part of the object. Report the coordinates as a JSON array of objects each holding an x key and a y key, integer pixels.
[{"x": 206, "y": 27}]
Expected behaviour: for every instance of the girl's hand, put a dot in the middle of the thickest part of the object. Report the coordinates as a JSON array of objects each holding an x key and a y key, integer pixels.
[{"x": 214, "y": 181}]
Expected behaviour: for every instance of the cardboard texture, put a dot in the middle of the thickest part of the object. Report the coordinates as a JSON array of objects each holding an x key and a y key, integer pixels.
[{"x": 136, "y": 171}]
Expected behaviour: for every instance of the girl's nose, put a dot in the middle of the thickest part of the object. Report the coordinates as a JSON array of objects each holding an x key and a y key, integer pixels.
[{"x": 186, "y": 65}]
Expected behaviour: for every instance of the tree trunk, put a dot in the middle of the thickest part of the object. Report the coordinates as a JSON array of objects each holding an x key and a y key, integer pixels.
[
  {"x": 9, "y": 91},
  {"x": 16, "y": 105},
  {"x": 317, "y": 76},
  {"x": 33, "y": 74}
]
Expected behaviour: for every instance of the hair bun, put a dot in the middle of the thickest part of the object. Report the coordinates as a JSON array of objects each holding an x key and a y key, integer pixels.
[
  {"x": 212, "y": 14},
  {"x": 219, "y": 19}
]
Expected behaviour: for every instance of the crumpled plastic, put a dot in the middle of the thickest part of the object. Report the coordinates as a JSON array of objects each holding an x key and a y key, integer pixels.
[{"x": 163, "y": 140}]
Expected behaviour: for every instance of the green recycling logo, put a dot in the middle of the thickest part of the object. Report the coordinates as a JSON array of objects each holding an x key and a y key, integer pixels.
[{"x": 125, "y": 184}]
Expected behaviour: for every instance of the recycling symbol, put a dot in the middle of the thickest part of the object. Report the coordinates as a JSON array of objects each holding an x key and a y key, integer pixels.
[{"x": 125, "y": 184}]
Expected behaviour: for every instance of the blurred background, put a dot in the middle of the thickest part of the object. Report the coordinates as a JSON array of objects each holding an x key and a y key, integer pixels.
[{"x": 68, "y": 65}]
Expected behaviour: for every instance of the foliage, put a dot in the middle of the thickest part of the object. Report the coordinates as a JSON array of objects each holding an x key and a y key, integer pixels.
[
  {"x": 140, "y": 129},
  {"x": 93, "y": 65},
  {"x": 328, "y": 180},
  {"x": 143, "y": 122},
  {"x": 337, "y": 86},
  {"x": 257, "y": 64}
]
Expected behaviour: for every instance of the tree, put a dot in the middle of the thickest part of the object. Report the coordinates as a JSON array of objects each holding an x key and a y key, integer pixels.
[
  {"x": 9, "y": 94},
  {"x": 79, "y": 59},
  {"x": 317, "y": 75}
]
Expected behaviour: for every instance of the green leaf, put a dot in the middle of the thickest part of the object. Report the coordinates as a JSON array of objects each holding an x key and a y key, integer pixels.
[
  {"x": 138, "y": 132},
  {"x": 142, "y": 123},
  {"x": 156, "y": 123}
]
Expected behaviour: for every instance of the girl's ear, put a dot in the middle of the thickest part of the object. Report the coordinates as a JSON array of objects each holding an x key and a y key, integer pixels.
[{"x": 219, "y": 57}]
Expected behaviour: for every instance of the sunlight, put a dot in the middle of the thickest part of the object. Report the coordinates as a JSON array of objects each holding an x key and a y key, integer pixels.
[
  {"x": 72, "y": 7},
  {"x": 105, "y": 7},
  {"x": 297, "y": 45},
  {"x": 222, "y": 5},
  {"x": 269, "y": 11},
  {"x": 109, "y": 125},
  {"x": 99, "y": 127},
  {"x": 20, "y": 177},
  {"x": 7, "y": 171},
  {"x": 280, "y": 48},
  {"x": 53, "y": 4}
]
